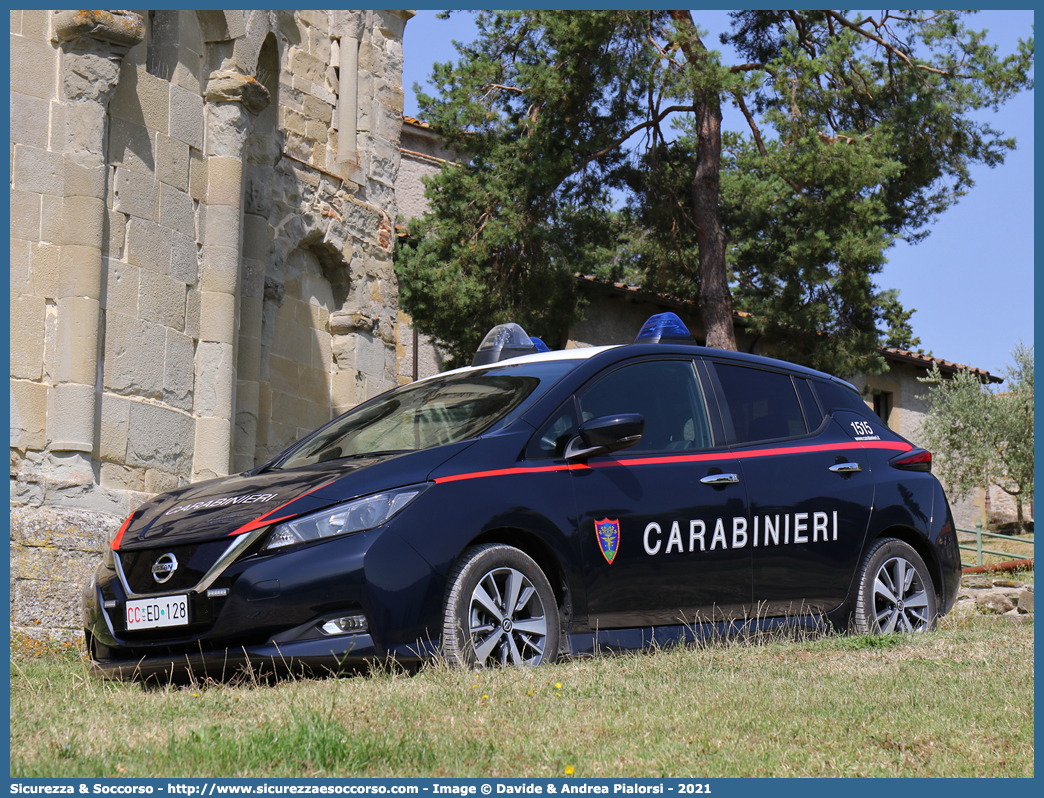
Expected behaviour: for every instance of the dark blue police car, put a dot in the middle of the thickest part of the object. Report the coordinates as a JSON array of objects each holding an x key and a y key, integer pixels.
[{"x": 539, "y": 504}]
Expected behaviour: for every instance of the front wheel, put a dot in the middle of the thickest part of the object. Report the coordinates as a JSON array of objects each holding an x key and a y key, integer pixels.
[
  {"x": 895, "y": 591},
  {"x": 500, "y": 610}
]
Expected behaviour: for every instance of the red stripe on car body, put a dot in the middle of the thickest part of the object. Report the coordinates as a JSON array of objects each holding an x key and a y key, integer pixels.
[{"x": 681, "y": 458}]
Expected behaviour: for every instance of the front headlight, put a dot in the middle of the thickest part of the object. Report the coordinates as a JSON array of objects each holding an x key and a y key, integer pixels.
[{"x": 344, "y": 519}]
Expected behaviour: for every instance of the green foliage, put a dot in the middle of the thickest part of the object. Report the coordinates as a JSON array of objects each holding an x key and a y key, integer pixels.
[
  {"x": 859, "y": 131},
  {"x": 981, "y": 437}
]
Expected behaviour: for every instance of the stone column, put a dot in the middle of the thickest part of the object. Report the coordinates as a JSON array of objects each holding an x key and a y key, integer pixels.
[
  {"x": 231, "y": 100},
  {"x": 93, "y": 44}
]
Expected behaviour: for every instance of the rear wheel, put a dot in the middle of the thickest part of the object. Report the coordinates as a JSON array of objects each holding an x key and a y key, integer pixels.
[
  {"x": 500, "y": 610},
  {"x": 895, "y": 591}
]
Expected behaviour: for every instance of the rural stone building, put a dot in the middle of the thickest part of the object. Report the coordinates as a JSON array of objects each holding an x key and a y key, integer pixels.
[{"x": 202, "y": 216}]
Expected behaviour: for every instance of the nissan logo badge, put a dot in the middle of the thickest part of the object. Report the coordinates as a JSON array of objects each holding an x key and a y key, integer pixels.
[{"x": 164, "y": 568}]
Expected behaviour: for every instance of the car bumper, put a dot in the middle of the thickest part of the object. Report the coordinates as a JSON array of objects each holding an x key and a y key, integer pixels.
[{"x": 274, "y": 611}]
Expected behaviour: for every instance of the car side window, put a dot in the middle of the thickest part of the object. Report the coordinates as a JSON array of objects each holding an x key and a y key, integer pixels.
[
  {"x": 813, "y": 413},
  {"x": 763, "y": 404},
  {"x": 666, "y": 393},
  {"x": 554, "y": 436}
]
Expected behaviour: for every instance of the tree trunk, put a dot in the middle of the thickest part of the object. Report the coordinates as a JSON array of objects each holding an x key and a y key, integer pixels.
[{"x": 715, "y": 296}]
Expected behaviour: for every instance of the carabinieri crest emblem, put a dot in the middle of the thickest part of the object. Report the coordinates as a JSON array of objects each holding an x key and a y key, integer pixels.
[{"x": 608, "y": 534}]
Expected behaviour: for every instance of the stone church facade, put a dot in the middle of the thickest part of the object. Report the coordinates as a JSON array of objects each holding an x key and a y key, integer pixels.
[{"x": 202, "y": 220}]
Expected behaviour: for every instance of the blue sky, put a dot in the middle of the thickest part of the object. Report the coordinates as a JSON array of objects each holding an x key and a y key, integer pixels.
[{"x": 971, "y": 281}]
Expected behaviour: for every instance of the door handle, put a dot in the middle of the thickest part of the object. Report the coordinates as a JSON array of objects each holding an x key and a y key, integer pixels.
[
  {"x": 846, "y": 468},
  {"x": 719, "y": 479}
]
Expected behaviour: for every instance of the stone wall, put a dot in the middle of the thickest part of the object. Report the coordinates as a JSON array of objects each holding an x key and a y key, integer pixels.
[{"x": 202, "y": 219}]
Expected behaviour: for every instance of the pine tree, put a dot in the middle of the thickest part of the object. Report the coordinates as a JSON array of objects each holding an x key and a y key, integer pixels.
[{"x": 858, "y": 131}]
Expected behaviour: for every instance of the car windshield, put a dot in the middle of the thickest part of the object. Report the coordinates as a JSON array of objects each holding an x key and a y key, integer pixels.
[{"x": 433, "y": 412}]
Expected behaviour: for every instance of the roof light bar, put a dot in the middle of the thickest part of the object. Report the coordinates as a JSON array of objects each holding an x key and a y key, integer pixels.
[
  {"x": 502, "y": 342},
  {"x": 664, "y": 328}
]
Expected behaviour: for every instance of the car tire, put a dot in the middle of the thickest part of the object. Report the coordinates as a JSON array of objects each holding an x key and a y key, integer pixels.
[
  {"x": 481, "y": 628},
  {"x": 895, "y": 591}
]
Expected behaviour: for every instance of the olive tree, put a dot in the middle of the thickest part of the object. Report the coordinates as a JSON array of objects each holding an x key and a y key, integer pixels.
[{"x": 980, "y": 436}]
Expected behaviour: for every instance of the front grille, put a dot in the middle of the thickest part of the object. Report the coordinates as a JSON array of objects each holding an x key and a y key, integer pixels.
[{"x": 193, "y": 559}]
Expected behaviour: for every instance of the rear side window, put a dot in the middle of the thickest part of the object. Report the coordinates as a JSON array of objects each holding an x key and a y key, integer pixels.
[
  {"x": 838, "y": 397},
  {"x": 763, "y": 404}
]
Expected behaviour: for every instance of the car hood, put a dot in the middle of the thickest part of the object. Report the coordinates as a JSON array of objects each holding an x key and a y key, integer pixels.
[{"x": 234, "y": 505}]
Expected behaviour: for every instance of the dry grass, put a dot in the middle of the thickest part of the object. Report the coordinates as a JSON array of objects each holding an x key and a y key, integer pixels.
[{"x": 848, "y": 706}]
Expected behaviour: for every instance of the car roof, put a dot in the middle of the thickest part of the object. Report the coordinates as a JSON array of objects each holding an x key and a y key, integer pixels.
[{"x": 583, "y": 353}]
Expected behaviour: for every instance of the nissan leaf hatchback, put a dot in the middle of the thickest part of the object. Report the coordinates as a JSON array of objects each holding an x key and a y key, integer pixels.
[{"x": 536, "y": 505}]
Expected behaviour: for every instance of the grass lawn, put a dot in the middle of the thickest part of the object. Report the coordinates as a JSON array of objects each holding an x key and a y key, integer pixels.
[{"x": 956, "y": 703}]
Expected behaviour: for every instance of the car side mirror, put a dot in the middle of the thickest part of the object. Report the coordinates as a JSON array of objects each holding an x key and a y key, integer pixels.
[{"x": 606, "y": 434}]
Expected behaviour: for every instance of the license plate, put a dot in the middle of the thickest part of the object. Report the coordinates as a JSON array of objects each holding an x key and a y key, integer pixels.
[{"x": 155, "y": 612}]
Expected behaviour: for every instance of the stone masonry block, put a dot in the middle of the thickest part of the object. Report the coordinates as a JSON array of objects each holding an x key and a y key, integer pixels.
[
  {"x": 78, "y": 324},
  {"x": 43, "y": 260},
  {"x": 121, "y": 288},
  {"x": 179, "y": 371},
  {"x": 225, "y": 182},
  {"x": 176, "y": 211},
  {"x": 249, "y": 360},
  {"x": 217, "y": 317},
  {"x": 122, "y": 477},
  {"x": 43, "y": 563},
  {"x": 36, "y": 25},
  {"x": 257, "y": 237},
  {"x": 28, "y": 415},
  {"x": 160, "y": 438},
  {"x": 157, "y": 481},
  {"x": 33, "y": 65},
  {"x": 84, "y": 221},
  {"x": 317, "y": 110},
  {"x": 154, "y": 97},
  {"x": 313, "y": 385},
  {"x": 38, "y": 171},
  {"x": 114, "y": 427},
  {"x": 221, "y": 226},
  {"x": 161, "y": 300},
  {"x": 306, "y": 67},
  {"x": 317, "y": 132},
  {"x": 148, "y": 245},
  {"x": 134, "y": 356},
  {"x": 72, "y": 418},
  {"x": 52, "y": 219},
  {"x": 47, "y": 604},
  {"x": 342, "y": 389},
  {"x": 117, "y": 233},
  {"x": 183, "y": 262},
  {"x": 283, "y": 374},
  {"x": 172, "y": 162},
  {"x": 220, "y": 269},
  {"x": 213, "y": 448},
  {"x": 197, "y": 174},
  {"x": 21, "y": 277},
  {"x": 186, "y": 116},
  {"x": 25, "y": 216},
  {"x": 29, "y": 120},
  {"x": 84, "y": 181},
  {"x": 192, "y": 314},
  {"x": 131, "y": 145},
  {"x": 322, "y": 350},
  {"x": 214, "y": 380},
  {"x": 27, "y": 336},
  {"x": 136, "y": 194},
  {"x": 79, "y": 271}
]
